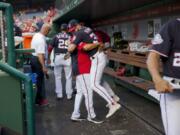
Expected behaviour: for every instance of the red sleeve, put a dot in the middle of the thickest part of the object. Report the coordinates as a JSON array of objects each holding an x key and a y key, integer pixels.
[{"x": 50, "y": 49}]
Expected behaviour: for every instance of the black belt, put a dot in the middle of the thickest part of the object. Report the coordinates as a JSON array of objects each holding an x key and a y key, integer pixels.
[
  {"x": 32, "y": 56},
  {"x": 175, "y": 81},
  {"x": 60, "y": 53},
  {"x": 92, "y": 57}
]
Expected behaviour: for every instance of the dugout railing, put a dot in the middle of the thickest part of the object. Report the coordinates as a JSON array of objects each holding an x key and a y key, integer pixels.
[{"x": 16, "y": 92}]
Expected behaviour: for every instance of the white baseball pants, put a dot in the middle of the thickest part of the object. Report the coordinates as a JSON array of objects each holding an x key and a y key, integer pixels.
[
  {"x": 98, "y": 63},
  {"x": 108, "y": 88},
  {"x": 170, "y": 111},
  {"x": 83, "y": 90},
  {"x": 59, "y": 65}
]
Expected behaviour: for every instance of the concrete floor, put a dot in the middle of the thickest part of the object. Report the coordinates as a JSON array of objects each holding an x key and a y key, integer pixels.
[{"x": 138, "y": 116}]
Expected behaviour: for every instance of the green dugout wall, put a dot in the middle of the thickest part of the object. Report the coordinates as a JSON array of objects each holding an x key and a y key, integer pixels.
[
  {"x": 16, "y": 101},
  {"x": 11, "y": 103}
]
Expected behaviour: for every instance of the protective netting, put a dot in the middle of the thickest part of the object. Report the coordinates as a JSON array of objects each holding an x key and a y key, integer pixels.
[{"x": 3, "y": 42}]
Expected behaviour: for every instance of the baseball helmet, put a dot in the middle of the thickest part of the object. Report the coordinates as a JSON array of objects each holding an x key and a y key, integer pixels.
[
  {"x": 72, "y": 24},
  {"x": 64, "y": 26}
]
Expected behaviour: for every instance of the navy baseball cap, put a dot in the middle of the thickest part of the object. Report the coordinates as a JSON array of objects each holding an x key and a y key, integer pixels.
[
  {"x": 64, "y": 26},
  {"x": 71, "y": 25}
]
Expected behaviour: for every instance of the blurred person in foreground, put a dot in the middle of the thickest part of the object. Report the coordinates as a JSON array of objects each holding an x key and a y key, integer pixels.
[{"x": 166, "y": 47}]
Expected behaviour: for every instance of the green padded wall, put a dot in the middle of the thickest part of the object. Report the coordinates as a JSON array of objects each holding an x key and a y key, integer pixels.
[{"x": 11, "y": 107}]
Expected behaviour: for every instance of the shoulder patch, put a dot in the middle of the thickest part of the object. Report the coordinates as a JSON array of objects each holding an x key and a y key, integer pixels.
[{"x": 157, "y": 39}]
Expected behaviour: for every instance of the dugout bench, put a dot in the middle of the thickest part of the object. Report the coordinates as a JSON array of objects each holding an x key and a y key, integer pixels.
[{"x": 138, "y": 78}]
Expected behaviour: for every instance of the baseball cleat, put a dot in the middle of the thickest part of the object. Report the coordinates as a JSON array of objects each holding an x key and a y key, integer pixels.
[
  {"x": 59, "y": 97},
  {"x": 69, "y": 97},
  {"x": 95, "y": 120},
  {"x": 77, "y": 119},
  {"x": 43, "y": 102},
  {"x": 113, "y": 109},
  {"x": 116, "y": 98}
]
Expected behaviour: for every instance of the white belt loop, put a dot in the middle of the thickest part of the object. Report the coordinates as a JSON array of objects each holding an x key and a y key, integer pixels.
[
  {"x": 94, "y": 56},
  {"x": 175, "y": 82}
]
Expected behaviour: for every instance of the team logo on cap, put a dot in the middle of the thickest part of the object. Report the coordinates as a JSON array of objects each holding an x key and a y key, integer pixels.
[{"x": 157, "y": 39}]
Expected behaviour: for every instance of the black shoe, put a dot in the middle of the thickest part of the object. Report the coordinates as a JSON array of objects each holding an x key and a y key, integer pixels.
[
  {"x": 59, "y": 98},
  {"x": 74, "y": 92},
  {"x": 43, "y": 103},
  {"x": 95, "y": 120}
]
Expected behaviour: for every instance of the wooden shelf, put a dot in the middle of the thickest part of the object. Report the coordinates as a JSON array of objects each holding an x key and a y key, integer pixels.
[
  {"x": 126, "y": 57},
  {"x": 137, "y": 59},
  {"x": 133, "y": 80}
]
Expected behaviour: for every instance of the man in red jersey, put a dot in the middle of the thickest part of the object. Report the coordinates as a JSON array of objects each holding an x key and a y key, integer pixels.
[
  {"x": 81, "y": 65},
  {"x": 85, "y": 35}
]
